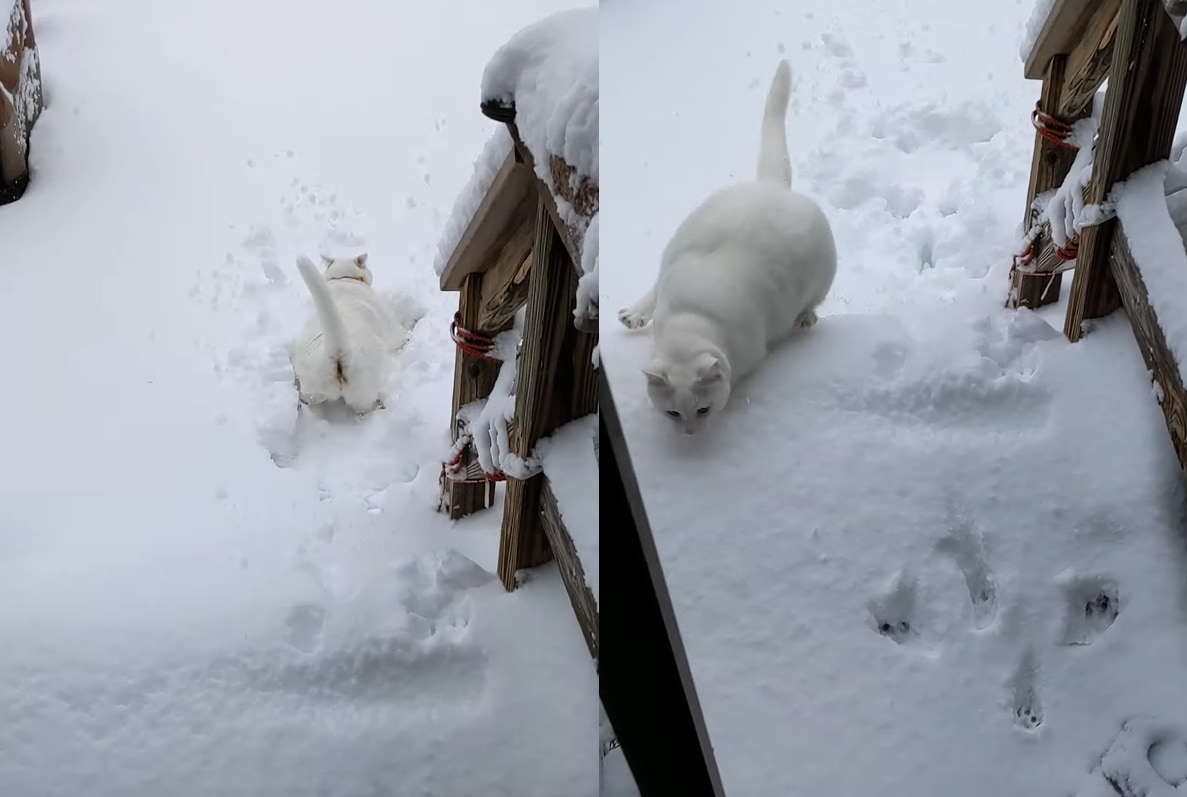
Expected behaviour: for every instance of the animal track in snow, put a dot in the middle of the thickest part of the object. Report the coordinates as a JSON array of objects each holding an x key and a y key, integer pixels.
[
  {"x": 967, "y": 550},
  {"x": 1148, "y": 758},
  {"x": 1092, "y": 606},
  {"x": 894, "y": 613},
  {"x": 1023, "y": 684}
]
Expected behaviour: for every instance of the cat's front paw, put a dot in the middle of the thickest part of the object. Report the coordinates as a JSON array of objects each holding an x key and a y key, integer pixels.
[
  {"x": 632, "y": 320},
  {"x": 806, "y": 319}
]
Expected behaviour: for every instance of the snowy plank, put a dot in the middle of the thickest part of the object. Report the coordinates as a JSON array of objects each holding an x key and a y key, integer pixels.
[
  {"x": 567, "y": 457},
  {"x": 544, "y": 84},
  {"x": 502, "y": 208},
  {"x": 487, "y": 168},
  {"x": 1149, "y": 265},
  {"x": 569, "y": 563},
  {"x": 549, "y": 72},
  {"x": 1061, "y": 27}
]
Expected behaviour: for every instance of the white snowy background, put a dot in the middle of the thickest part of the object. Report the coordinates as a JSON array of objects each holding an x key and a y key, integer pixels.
[
  {"x": 202, "y": 596},
  {"x": 883, "y": 555}
]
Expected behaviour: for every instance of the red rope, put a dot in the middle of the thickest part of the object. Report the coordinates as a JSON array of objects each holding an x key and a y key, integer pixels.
[
  {"x": 1071, "y": 250},
  {"x": 452, "y": 468},
  {"x": 1050, "y": 128},
  {"x": 471, "y": 343}
]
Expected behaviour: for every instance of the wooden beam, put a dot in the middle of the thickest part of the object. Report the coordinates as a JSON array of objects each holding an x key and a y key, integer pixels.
[
  {"x": 1146, "y": 83},
  {"x": 506, "y": 115},
  {"x": 492, "y": 224},
  {"x": 1159, "y": 358},
  {"x": 552, "y": 287},
  {"x": 473, "y": 379},
  {"x": 1049, "y": 166},
  {"x": 584, "y": 200},
  {"x": 1089, "y": 60},
  {"x": 1062, "y": 30},
  {"x": 663, "y": 737},
  {"x": 572, "y": 573},
  {"x": 505, "y": 283}
]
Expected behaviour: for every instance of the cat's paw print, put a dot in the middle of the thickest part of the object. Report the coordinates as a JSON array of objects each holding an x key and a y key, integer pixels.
[
  {"x": 1092, "y": 605},
  {"x": 1024, "y": 693},
  {"x": 894, "y": 613},
  {"x": 967, "y": 550}
]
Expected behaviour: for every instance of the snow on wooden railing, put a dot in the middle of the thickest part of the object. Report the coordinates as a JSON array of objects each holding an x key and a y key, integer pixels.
[
  {"x": 20, "y": 98},
  {"x": 544, "y": 84},
  {"x": 1101, "y": 206}
]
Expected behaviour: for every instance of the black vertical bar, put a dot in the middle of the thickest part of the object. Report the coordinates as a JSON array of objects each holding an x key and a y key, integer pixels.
[{"x": 645, "y": 682}]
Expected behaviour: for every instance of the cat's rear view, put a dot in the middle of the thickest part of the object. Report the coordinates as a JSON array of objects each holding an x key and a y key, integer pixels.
[{"x": 745, "y": 269}]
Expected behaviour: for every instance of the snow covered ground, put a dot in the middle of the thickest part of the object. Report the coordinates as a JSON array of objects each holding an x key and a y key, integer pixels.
[
  {"x": 205, "y": 596},
  {"x": 932, "y": 548}
]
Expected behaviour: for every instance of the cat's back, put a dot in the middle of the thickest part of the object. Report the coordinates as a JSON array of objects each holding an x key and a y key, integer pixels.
[
  {"x": 362, "y": 309},
  {"x": 751, "y": 220}
]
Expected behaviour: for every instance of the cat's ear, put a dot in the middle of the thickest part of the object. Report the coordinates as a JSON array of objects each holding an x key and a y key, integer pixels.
[
  {"x": 710, "y": 371},
  {"x": 327, "y": 260},
  {"x": 361, "y": 260},
  {"x": 655, "y": 375}
]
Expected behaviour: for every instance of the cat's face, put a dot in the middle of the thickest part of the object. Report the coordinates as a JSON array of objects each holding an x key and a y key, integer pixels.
[
  {"x": 688, "y": 394},
  {"x": 347, "y": 268}
]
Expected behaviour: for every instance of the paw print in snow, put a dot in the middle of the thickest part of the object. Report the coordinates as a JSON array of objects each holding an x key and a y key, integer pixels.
[
  {"x": 894, "y": 612},
  {"x": 1092, "y": 606}
]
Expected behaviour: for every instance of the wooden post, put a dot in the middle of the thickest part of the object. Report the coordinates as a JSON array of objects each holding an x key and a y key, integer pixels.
[
  {"x": 548, "y": 349},
  {"x": 473, "y": 379},
  {"x": 1048, "y": 169},
  {"x": 1074, "y": 59},
  {"x": 1146, "y": 83}
]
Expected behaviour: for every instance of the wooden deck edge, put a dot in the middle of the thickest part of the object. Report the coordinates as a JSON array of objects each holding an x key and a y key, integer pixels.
[
  {"x": 569, "y": 563},
  {"x": 1062, "y": 30},
  {"x": 506, "y": 114},
  {"x": 1159, "y": 358},
  {"x": 488, "y": 230}
]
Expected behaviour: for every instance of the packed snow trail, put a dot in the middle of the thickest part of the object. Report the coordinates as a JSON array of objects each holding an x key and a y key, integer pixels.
[
  {"x": 931, "y": 547},
  {"x": 208, "y": 595}
]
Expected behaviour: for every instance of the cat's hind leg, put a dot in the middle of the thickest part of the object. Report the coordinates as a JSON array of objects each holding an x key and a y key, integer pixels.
[{"x": 639, "y": 313}]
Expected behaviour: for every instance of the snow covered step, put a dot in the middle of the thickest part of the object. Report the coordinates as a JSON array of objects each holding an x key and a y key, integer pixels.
[{"x": 569, "y": 510}]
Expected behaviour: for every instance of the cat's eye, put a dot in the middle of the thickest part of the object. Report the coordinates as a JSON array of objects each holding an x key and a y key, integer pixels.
[
  {"x": 673, "y": 414},
  {"x": 702, "y": 411}
]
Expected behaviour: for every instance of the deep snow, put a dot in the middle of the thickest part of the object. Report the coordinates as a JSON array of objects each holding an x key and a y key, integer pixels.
[
  {"x": 931, "y": 548},
  {"x": 205, "y": 596}
]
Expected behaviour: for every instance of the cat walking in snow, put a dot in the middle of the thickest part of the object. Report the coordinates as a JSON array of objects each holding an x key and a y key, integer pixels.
[
  {"x": 743, "y": 271},
  {"x": 344, "y": 350}
]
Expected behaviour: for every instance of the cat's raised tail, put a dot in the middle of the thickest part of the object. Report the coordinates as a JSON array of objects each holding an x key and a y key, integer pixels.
[
  {"x": 331, "y": 322},
  {"x": 774, "y": 164}
]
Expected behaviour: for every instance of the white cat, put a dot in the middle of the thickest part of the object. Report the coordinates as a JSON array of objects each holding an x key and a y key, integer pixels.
[
  {"x": 344, "y": 350},
  {"x": 742, "y": 271}
]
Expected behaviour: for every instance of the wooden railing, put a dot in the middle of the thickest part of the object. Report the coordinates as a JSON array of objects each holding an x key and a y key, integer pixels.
[{"x": 1135, "y": 45}]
